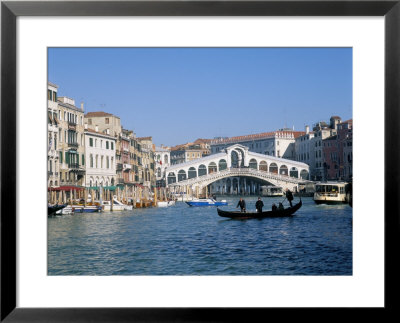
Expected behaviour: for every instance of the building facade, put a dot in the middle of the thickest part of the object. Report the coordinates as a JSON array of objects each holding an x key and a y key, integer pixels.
[
  {"x": 147, "y": 161},
  {"x": 279, "y": 143},
  {"x": 100, "y": 166},
  {"x": 71, "y": 142},
  {"x": 161, "y": 161},
  {"x": 53, "y": 167}
]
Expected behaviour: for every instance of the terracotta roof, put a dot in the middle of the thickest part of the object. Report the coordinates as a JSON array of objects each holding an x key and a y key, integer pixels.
[{"x": 98, "y": 114}]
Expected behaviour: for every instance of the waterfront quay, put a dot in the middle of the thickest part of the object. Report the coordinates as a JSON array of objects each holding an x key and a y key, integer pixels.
[{"x": 183, "y": 240}]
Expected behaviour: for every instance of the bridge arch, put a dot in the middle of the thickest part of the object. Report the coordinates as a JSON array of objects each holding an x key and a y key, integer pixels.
[
  {"x": 212, "y": 167},
  {"x": 181, "y": 175},
  {"x": 273, "y": 168},
  {"x": 202, "y": 170},
  {"x": 304, "y": 174},
  {"x": 263, "y": 166},
  {"x": 283, "y": 170},
  {"x": 253, "y": 163},
  {"x": 294, "y": 172},
  {"x": 222, "y": 164},
  {"x": 192, "y": 172},
  {"x": 171, "y": 178}
]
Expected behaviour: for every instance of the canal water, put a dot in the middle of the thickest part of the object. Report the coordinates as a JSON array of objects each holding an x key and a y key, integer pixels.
[{"x": 183, "y": 240}]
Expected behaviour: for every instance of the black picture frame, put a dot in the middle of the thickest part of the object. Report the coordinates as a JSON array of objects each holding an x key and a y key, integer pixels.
[{"x": 10, "y": 10}]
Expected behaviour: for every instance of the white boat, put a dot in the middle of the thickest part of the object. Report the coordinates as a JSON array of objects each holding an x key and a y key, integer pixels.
[
  {"x": 117, "y": 206},
  {"x": 165, "y": 203},
  {"x": 271, "y": 190},
  {"x": 65, "y": 211},
  {"x": 182, "y": 197},
  {"x": 331, "y": 193}
]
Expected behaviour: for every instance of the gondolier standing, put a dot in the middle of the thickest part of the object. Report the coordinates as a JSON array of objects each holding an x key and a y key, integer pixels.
[
  {"x": 242, "y": 205},
  {"x": 259, "y": 205},
  {"x": 289, "y": 196}
]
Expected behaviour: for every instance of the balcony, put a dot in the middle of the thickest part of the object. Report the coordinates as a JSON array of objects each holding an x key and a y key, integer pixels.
[
  {"x": 73, "y": 166},
  {"x": 73, "y": 144},
  {"x": 71, "y": 125}
]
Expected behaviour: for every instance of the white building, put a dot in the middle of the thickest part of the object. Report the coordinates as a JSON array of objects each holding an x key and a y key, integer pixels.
[
  {"x": 53, "y": 166},
  {"x": 100, "y": 153},
  {"x": 162, "y": 160},
  {"x": 276, "y": 143}
]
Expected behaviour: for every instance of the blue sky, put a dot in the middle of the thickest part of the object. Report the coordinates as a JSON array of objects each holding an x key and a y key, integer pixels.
[{"x": 177, "y": 95}]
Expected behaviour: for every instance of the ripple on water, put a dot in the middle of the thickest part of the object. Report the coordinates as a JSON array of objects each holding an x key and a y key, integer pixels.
[{"x": 181, "y": 240}]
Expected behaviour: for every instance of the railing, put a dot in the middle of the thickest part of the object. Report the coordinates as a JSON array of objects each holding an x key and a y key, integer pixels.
[
  {"x": 73, "y": 165},
  {"x": 73, "y": 144},
  {"x": 239, "y": 172}
]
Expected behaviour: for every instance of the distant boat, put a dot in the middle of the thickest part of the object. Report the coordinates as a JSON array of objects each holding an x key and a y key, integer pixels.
[
  {"x": 271, "y": 191},
  {"x": 331, "y": 193},
  {"x": 165, "y": 203},
  {"x": 206, "y": 202},
  {"x": 86, "y": 209},
  {"x": 259, "y": 215}
]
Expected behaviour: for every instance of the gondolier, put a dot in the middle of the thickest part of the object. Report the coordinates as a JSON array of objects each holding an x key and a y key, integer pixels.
[
  {"x": 242, "y": 205},
  {"x": 289, "y": 196},
  {"x": 259, "y": 205}
]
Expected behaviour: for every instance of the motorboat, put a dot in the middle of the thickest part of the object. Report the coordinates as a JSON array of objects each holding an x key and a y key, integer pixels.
[
  {"x": 115, "y": 206},
  {"x": 165, "y": 203},
  {"x": 331, "y": 193},
  {"x": 272, "y": 191},
  {"x": 259, "y": 215},
  {"x": 206, "y": 202},
  {"x": 52, "y": 209}
]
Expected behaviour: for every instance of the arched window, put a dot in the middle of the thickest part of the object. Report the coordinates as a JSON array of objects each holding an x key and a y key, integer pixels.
[
  {"x": 222, "y": 164},
  {"x": 212, "y": 167},
  {"x": 294, "y": 172},
  {"x": 304, "y": 174},
  {"x": 171, "y": 178},
  {"x": 166, "y": 159},
  {"x": 202, "y": 170},
  {"x": 263, "y": 166},
  {"x": 283, "y": 170},
  {"x": 192, "y": 173},
  {"x": 273, "y": 168},
  {"x": 253, "y": 163},
  {"x": 181, "y": 175},
  {"x": 158, "y": 171}
]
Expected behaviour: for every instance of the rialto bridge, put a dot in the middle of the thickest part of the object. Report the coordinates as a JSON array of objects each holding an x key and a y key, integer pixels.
[{"x": 236, "y": 170}]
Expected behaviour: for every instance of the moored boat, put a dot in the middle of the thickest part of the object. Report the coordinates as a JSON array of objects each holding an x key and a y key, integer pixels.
[
  {"x": 115, "y": 206},
  {"x": 331, "y": 193},
  {"x": 52, "y": 209},
  {"x": 206, "y": 202},
  {"x": 259, "y": 215},
  {"x": 165, "y": 203}
]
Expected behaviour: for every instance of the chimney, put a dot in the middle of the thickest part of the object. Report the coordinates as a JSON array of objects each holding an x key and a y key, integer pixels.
[
  {"x": 97, "y": 128},
  {"x": 82, "y": 106},
  {"x": 307, "y": 129}
]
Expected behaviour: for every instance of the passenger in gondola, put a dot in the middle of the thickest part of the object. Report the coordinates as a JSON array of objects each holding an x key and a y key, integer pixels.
[
  {"x": 259, "y": 205},
  {"x": 242, "y": 205},
  {"x": 289, "y": 196},
  {"x": 274, "y": 207},
  {"x": 280, "y": 207}
]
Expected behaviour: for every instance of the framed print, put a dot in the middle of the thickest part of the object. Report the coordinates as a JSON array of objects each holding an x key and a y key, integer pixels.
[{"x": 201, "y": 71}]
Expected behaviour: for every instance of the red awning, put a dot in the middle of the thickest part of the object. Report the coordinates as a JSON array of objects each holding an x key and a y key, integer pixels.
[{"x": 65, "y": 188}]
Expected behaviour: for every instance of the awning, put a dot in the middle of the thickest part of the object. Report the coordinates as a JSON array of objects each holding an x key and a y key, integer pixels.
[{"x": 65, "y": 188}]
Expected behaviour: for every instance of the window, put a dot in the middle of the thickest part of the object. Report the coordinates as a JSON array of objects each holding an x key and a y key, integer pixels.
[
  {"x": 91, "y": 142},
  {"x": 89, "y": 121},
  {"x": 108, "y": 162},
  {"x": 49, "y": 95},
  {"x": 91, "y": 160},
  {"x": 106, "y": 144},
  {"x": 83, "y": 159},
  {"x": 101, "y": 163},
  {"x": 112, "y": 146},
  {"x": 97, "y": 161},
  {"x": 107, "y": 120}
]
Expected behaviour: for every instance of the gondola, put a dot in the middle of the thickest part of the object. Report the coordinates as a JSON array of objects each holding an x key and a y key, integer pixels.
[
  {"x": 52, "y": 209},
  {"x": 257, "y": 215}
]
